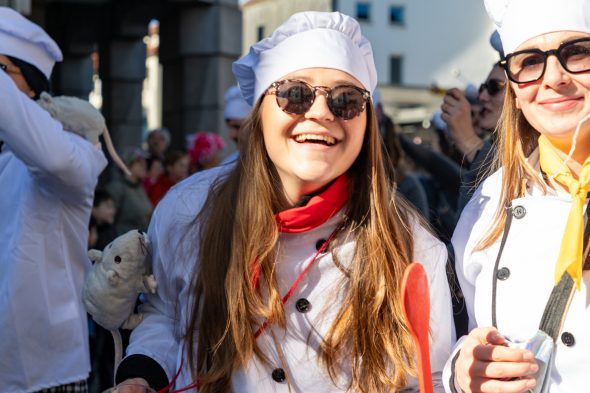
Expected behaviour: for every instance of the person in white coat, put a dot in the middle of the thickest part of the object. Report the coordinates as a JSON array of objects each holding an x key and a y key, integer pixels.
[
  {"x": 284, "y": 276},
  {"x": 235, "y": 112},
  {"x": 47, "y": 178},
  {"x": 521, "y": 234}
]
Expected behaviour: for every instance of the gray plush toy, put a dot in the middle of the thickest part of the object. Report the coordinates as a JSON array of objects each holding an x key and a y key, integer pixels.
[
  {"x": 80, "y": 117},
  {"x": 120, "y": 273}
]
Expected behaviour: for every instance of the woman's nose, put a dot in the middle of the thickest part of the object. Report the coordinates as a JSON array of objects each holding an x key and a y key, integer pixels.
[{"x": 319, "y": 109}]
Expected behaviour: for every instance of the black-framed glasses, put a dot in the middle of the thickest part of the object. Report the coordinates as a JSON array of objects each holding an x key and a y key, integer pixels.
[
  {"x": 529, "y": 65},
  {"x": 296, "y": 97},
  {"x": 493, "y": 86}
]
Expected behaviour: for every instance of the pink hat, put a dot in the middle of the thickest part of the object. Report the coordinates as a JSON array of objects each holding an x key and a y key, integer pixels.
[{"x": 204, "y": 146}]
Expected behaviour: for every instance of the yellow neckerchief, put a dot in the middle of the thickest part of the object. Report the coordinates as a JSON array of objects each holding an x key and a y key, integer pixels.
[{"x": 570, "y": 253}]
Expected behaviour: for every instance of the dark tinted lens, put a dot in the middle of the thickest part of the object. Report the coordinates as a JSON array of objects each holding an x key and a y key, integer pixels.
[
  {"x": 495, "y": 86},
  {"x": 294, "y": 97},
  {"x": 346, "y": 102},
  {"x": 526, "y": 66},
  {"x": 576, "y": 56}
]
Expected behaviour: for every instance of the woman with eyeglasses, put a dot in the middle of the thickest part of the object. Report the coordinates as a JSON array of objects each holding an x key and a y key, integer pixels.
[
  {"x": 283, "y": 273},
  {"x": 521, "y": 253}
]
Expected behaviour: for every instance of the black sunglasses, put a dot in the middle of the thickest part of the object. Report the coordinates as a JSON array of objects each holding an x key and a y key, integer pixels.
[
  {"x": 529, "y": 65},
  {"x": 296, "y": 97},
  {"x": 493, "y": 86}
]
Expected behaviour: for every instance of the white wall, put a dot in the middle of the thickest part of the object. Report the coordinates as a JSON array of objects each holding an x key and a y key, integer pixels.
[
  {"x": 271, "y": 13},
  {"x": 440, "y": 39}
]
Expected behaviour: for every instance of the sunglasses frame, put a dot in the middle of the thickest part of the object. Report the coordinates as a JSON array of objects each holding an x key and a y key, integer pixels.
[
  {"x": 486, "y": 86},
  {"x": 327, "y": 91},
  {"x": 556, "y": 52}
]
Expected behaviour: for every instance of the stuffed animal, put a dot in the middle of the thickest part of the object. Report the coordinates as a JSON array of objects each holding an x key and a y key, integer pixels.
[
  {"x": 120, "y": 273},
  {"x": 80, "y": 117}
]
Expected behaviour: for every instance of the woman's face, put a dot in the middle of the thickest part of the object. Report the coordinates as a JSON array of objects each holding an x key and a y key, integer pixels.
[
  {"x": 16, "y": 75},
  {"x": 312, "y": 149},
  {"x": 555, "y": 104},
  {"x": 491, "y": 105}
]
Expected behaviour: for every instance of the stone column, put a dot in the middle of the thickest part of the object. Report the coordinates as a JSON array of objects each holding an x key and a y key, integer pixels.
[
  {"x": 122, "y": 71},
  {"x": 198, "y": 45}
]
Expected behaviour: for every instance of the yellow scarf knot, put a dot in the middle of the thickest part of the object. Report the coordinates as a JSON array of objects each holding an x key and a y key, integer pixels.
[{"x": 570, "y": 253}]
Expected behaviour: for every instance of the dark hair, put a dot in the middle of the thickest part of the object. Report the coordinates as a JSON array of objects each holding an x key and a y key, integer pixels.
[
  {"x": 101, "y": 196},
  {"x": 174, "y": 156},
  {"x": 34, "y": 77}
]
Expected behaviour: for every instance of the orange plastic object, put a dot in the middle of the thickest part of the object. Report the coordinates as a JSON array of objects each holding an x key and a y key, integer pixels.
[{"x": 416, "y": 299}]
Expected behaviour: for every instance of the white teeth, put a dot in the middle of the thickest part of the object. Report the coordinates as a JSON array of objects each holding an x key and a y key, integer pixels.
[{"x": 314, "y": 137}]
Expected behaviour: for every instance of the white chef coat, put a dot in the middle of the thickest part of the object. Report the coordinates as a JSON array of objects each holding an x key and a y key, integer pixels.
[
  {"x": 525, "y": 275},
  {"x": 47, "y": 180},
  {"x": 166, "y": 313}
]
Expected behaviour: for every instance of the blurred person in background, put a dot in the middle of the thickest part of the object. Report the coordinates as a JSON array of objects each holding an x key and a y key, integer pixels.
[
  {"x": 158, "y": 141},
  {"x": 235, "y": 112},
  {"x": 102, "y": 220},
  {"x": 134, "y": 207},
  {"x": 176, "y": 168},
  {"x": 476, "y": 146},
  {"x": 47, "y": 178},
  {"x": 407, "y": 183},
  {"x": 205, "y": 150}
]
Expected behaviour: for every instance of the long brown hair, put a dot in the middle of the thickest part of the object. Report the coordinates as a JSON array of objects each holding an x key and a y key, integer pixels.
[
  {"x": 238, "y": 227},
  {"x": 517, "y": 139}
]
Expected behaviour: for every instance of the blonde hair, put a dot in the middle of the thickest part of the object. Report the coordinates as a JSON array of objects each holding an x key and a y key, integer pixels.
[
  {"x": 516, "y": 139},
  {"x": 239, "y": 227}
]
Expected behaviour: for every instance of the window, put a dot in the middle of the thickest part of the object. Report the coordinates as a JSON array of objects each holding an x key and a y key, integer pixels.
[
  {"x": 397, "y": 15},
  {"x": 395, "y": 70},
  {"x": 363, "y": 11},
  {"x": 260, "y": 32}
]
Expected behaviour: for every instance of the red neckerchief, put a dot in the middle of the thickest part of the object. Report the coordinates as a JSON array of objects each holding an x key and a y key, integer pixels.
[{"x": 317, "y": 211}]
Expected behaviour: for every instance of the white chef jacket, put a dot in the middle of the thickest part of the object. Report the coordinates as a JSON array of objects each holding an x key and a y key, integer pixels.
[
  {"x": 47, "y": 180},
  {"x": 166, "y": 313},
  {"x": 524, "y": 277}
]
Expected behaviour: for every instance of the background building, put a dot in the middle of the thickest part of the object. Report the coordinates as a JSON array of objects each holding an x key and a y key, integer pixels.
[{"x": 420, "y": 46}]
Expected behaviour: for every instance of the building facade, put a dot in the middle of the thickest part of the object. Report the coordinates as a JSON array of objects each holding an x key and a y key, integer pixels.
[{"x": 417, "y": 44}]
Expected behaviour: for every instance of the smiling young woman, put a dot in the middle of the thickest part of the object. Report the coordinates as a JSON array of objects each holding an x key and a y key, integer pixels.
[
  {"x": 519, "y": 241},
  {"x": 282, "y": 273}
]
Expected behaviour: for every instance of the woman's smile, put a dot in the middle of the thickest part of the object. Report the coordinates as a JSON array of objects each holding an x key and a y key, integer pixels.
[{"x": 559, "y": 104}]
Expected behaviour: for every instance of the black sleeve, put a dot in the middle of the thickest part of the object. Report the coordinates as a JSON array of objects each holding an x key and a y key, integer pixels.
[{"x": 141, "y": 366}]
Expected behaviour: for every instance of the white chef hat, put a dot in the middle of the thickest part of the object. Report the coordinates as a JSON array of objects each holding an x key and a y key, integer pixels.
[
  {"x": 307, "y": 39},
  {"x": 519, "y": 20},
  {"x": 236, "y": 108},
  {"x": 25, "y": 40}
]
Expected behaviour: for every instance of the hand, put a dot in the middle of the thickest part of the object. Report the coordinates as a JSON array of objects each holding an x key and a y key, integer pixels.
[
  {"x": 75, "y": 115},
  {"x": 486, "y": 364},
  {"x": 133, "y": 385},
  {"x": 456, "y": 112}
]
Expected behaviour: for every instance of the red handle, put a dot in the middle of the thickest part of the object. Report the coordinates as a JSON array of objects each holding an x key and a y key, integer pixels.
[{"x": 416, "y": 299}]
